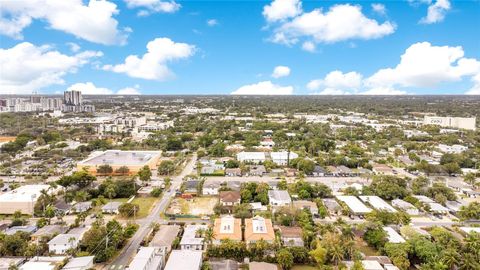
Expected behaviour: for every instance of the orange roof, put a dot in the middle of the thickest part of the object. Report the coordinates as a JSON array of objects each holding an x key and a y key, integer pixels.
[
  {"x": 230, "y": 228},
  {"x": 259, "y": 228},
  {"x": 7, "y": 139}
]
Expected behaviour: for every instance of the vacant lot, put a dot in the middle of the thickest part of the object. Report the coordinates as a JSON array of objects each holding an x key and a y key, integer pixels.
[
  {"x": 145, "y": 204},
  {"x": 197, "y": 206}
]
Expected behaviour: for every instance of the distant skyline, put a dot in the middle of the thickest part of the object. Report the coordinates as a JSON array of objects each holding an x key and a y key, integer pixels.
[{"x": 281, "y": 47}]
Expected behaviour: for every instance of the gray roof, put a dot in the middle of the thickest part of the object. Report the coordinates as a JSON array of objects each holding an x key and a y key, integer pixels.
[
  {"x": 165, "y": 236},
  {"x": 224, "y": 265},
  {"x": 184, "y": 259},
  {"x": 279, "y": 195},
  {"x": 111, "y": 206},
  {"x": 79, "y": 262},
  {"x": 14, "y": 229},
  {"x": 50, "y": 230},
  {"x": 118, "y": 157}
]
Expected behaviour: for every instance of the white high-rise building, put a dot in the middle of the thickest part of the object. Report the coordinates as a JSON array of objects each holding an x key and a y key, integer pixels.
[{"x": 72, "y": 98}]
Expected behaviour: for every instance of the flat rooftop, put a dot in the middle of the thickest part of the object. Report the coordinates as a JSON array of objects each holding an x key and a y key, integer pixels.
[
  {"x": 121, "y": 158},
  {"x": 27, "y": 193},
  {"x": 354, "y": 204},
  {"x": 184, "y": 259}
]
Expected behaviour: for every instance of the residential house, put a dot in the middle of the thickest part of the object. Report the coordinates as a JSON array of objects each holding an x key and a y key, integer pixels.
[
  {"x": 61, "y": 243},
  {"x": 251, "y": 157},
  {"x": 191, "y": 239},
  {"x": 257, "y": 228},
  {"x": 318, "y": 171},
  {"x": 262, "y": 266},
  {"x": 148, "y": 258},
  {"x": 378, "y": 203},
  {"x": 80, "y": 263},
  {"x": 28, "y": 229},
  {"x": 184, "y": 259},
  {"x": 48, "y": 231},
  {"x": 332, "y": 206},
  {"x": 291, "y": 236},
  {"x": 229, "y": 198},
  {"x": 257, "y": 170},
  {"x": 223, "y": 264},
  {"x": 405, "y": 206},
  {"x": 210, "y": 188},
  {"x": 165, "y": 236},
  {"x": 191, "y": 186},
  {"x": 283, "y": 158},
  {"x": 81, "y": 207},
  {"x": 382, "y": 169},
  {"x": 111, "y": 208},
  {"x": 279, "y": 198},
  {"x": 233, "y": 172},
  {"x": 303, "y": 204},
  {"x": 227, "y": 227}
]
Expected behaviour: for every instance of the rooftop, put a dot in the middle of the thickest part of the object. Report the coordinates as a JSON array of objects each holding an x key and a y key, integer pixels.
[
  {"x": 184, "y": 259},
  {"x": 120, "y": 158},
  {"x": 79, "y": 263},
  {"x": 378, "y": 203},
  {"x": 354, "y": 204},
  {"x": 27, "y": 193}
]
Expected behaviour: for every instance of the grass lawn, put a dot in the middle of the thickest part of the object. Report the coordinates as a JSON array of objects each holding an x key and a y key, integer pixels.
[
  {"x": 304, "y": 267},
  {"x": 145, "y": 204},
  {"x": 365, "y": 248}
]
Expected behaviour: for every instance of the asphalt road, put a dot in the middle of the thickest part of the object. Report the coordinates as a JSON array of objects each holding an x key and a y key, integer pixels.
[{"x": 130, "y": 249}]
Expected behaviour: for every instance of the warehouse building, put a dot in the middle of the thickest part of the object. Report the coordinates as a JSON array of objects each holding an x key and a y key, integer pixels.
[
  {"x": 133, "y": 160},
  {"x": 451, "y": 122},
  {"x": 22, "y": 199}
]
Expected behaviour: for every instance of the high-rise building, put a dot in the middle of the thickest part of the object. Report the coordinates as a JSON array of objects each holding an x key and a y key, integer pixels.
[{"x": 72, "y": 98}]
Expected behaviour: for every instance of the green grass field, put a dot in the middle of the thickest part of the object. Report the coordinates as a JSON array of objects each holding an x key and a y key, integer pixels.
[{"x": 145, "y": 204}]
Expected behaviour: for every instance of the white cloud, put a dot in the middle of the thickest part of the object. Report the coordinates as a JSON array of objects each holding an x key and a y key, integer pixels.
[
  {"x": 33, "y": 68},
  {"x": 280, "y": 71},
  {"x": 436, "y": 12},
  {"x": 129, "y": 91},
  {"x": 308, "y": 46},
  {"x": 383, "y": 91},
  {"x": 332, "y": 92},
  {"x": 74, "y": 47},
  {"x": 153, "y": 6},
  {"x": 475, "y": 90},
  {"x": 89, "y": 88},
  {"x": 263, "y": 88},
  {"x": 280, "y": 10},
  {"x": 379, "y": 8},
  {"x": 341, "y": 22},
  {"x": 212, "y": 22},
  {"x": 424, "y": 65},
  {"x": 93, "y": 22},
  {"x": 337, "y": 80},
  {"x": 153, "y": 64}
]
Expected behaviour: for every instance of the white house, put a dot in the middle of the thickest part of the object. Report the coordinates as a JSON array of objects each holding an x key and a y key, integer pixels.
[
  {"x": 63, "y": 242},
  {"x": 282, "y": 158},
  {"x": 148, "y": 258},
  {"x": 405, "y": 206},
  {"x": 80, "y": 263},
  {"x": 251, "y": 157},
  {"x": 184, "y": 259},
  {"x": 191, "y": 240},
  {"x": 279, "y": 198}
]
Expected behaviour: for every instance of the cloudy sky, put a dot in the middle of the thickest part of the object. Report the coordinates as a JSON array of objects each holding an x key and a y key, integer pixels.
[{"x": 278, "y": 47}]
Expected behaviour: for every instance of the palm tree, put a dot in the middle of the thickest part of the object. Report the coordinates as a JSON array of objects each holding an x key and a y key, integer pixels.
[
  {"x": 209, "y": 236},
  {"x": 450, "y": 258},
  {"x": 336, "y": 254},
  {"x": 347, "y": 232},
  {"x": 469, "y": 262}
]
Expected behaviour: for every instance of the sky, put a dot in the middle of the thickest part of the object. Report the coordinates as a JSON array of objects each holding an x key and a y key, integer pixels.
[{"x": 279, "y": 47}]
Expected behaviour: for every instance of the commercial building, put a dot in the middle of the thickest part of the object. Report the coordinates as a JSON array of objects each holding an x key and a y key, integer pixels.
[
  {"x": 184, "y": 259},
  {"x": 22, "y": 199},
  {"x": 451, "y": 122},
  {"x": 133, "y": 160}
]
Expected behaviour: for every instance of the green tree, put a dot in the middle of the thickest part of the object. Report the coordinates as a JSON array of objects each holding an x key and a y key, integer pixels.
[
  {"x": 319, "y": 254},
  {"x": 104, "y": 169},
  {"x": 285, "y": 259},
  {"x": 166, "y": 167},
  {"x": 145, "y": 174},
  {"x": 128, "y": 209}
]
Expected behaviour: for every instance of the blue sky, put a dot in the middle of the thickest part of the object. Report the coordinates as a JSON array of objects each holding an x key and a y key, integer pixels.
[{"x": 239, "y": 50}]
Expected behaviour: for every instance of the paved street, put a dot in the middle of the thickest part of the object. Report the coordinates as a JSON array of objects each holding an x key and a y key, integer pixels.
[{"x": 130, "y": 249}]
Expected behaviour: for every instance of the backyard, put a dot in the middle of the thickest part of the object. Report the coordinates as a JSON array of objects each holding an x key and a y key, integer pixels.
[{"x": 197, "y": 206}]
